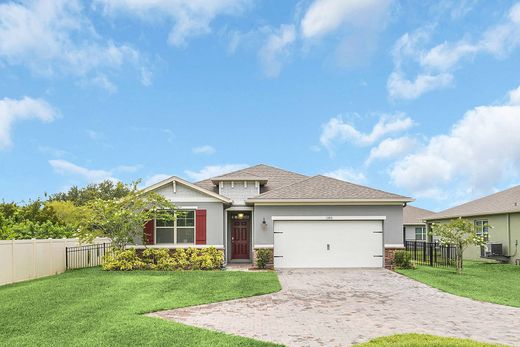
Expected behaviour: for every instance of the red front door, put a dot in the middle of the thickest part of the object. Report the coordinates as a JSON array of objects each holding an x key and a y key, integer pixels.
[{"x": 239, "y": 238}]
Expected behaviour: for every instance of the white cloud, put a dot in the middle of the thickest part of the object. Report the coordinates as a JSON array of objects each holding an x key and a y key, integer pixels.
[
  {"x": 402, "y": 88},
  {"x": 95, "y": 135},
  {"x": 204, "y": 150},
  {"x": 104, "y": 82},
  {"x": 276, "y": 49},
  {"x": 356, "y": 25},
  {"x": 190, "y": 18},
  {"x": 326, "y": 16},
  {"x": 12, "y": 110},
  {"x": 213, "y": 170},
  {"x": 54, "y": 35},
  {"x": 391, "y": 148},
  {"x": 65, "y": 167},
  {"x": 347, "y": 174},
  {"x": 436, "y": 64},
  {"x": 336, "y": 130},
  {"x": 514, "y": 97},
  {"x": 155, "y": 179},
  {"x": 481, "y": 150}
]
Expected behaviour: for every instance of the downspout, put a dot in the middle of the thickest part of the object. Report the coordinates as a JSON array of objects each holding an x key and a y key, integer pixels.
[{"x": 509, "y": 245}]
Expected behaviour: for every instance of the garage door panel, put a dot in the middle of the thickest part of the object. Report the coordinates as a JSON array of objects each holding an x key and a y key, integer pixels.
[{"x": 328, "y": 244}]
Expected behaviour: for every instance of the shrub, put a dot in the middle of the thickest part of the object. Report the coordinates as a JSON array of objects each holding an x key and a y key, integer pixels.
[
  {"x": 123, "y": 260},
  {"x": 263, "y": 257},
  {"x": 161, "y": 259},
  {"x": 403, "y": 260}
]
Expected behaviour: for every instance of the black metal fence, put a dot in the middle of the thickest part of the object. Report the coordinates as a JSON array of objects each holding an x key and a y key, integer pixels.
[
  {"x": 431, "y": 253},
  {"x": 86, "y": 256}
]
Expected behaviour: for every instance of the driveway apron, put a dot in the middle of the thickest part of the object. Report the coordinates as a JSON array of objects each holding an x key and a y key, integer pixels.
[{"x": 342, "y": 307}]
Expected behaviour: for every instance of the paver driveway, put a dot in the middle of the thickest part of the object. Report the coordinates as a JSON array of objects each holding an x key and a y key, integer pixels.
[{"x": 340, "y": 307}]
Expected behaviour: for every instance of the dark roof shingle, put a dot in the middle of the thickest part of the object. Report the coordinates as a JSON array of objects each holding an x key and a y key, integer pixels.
[
  {"x": 502, "y": 202},
  {"x": 326, "y": 188}
]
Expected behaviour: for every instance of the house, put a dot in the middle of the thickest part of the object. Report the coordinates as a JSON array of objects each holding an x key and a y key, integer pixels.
[
  {"x": 501, "y": 211},
  {"x": 414, "y": 226},
  {"x": 309, "y": 221}
]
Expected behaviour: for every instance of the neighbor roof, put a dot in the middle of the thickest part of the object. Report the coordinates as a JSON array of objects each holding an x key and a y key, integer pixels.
[
  {"x": 275, "y": 177},
  {"x": 414, "y": 215},
  {"x": 320, "y": 188},
  {"x": 502, "y": 202}
]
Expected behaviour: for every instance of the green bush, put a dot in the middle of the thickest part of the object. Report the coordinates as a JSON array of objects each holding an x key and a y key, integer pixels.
[
  {"x": 403, "y": 260},
  {"x": 163, "y": 259},
  {"x": 26, "y": 229},
  {"x": 123, "y": 260},
  {"x": 263, "y": 257}
]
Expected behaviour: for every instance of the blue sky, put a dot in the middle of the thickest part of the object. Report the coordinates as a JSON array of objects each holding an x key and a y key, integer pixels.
[{"x": 418, "y": 98}]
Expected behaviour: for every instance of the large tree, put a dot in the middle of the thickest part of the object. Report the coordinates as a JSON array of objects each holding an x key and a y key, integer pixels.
[
  {"x": 461, "y": 233},
  {"x": 105, "y": 190},
  {"x": 123, "y": 219}
]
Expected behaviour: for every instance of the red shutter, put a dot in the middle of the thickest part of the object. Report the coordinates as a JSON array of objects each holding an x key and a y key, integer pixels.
[
  {"x": 201, "y": 227},
  {"x": 149, "y": 233}
]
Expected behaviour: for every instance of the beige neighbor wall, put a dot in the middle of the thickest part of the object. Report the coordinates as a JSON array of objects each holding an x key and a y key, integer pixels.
[
  {"x": 515, "y": 237},
  {"x": 498, "y": 233},
  {"x": 22, "y": 260}
]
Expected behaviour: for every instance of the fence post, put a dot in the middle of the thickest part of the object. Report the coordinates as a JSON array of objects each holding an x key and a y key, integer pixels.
[
  {"x": 66, "y": 258},
  {"x": 432, "y": 247}
]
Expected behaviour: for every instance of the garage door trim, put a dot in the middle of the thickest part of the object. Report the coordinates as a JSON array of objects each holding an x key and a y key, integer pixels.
[{"x": 361, "y": 218}]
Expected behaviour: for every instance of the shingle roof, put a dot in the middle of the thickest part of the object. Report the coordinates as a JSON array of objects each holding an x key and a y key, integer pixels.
[
  {"x": 276, "y": 177},
  {"x": 415, "y": 215},
  {"x": 502, "y": 202},
  {"x": 239, "y": 176},
  {"x": 326, "y": 188}
]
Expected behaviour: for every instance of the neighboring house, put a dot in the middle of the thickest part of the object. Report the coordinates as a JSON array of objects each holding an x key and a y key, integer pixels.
[
  {"x": 501, "y": 211},
  {"x": 313, "y": 221},
  {"x": 414, "y": 226}
]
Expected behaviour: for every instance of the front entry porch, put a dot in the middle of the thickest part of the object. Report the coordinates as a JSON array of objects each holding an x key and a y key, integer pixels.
[{"x": 239, "y": 236}]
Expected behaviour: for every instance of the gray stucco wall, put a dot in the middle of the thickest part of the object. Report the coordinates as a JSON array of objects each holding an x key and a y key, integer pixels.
[
  {"x": 214, "y": 220},
  {"x": 393, "y": 225}
]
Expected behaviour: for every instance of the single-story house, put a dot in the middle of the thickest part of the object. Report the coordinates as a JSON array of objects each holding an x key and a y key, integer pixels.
[
  {"x": 414, "y": 226},
  {"x": 308, "y": 221},
  {"x": 501, "y": 211}
]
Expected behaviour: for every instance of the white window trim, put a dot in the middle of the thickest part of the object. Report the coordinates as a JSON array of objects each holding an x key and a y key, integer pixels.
[
  {"x": 175, "y": 230},
  {"x": 424, "y": 238},
  {"x": 485, "y": 223}
]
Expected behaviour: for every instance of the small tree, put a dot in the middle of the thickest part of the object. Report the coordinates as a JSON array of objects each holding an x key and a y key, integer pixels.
[
  {"x": 461, "y": 233},
  {"x": 123, "y": 219}
]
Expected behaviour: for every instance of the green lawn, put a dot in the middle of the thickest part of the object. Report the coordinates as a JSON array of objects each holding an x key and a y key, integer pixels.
[
  {"x": 90, "y": 307},
  {"x": 497, "y": 283},
  {"x": 413, "y": 340}
]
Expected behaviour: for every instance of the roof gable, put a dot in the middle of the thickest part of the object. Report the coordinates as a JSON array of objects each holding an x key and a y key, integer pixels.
[
  {"x": 275, "y": 177},
  {"x": 502, "y": 202},
  {"x": 159, "y": 187},
  {"x": 326, "y": 188},
  {"x": 415, "y": 215}
]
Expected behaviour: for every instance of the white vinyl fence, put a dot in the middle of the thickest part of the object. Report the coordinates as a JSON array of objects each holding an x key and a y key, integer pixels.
[{"x": 22, "y": 260}]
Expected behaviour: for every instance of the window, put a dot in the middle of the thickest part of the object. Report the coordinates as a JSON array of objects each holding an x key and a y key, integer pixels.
[
  {"x": 482, "y": 228},
  {"x": 181, "y": 230},
  {"x": 420, "y": 234}
]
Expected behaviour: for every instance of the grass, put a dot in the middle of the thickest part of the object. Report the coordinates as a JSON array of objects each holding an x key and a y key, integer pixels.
[
  {"x": 91, "y": 307},
  {"x": 413, "y": 340},
  {"x": 491, "y": 282}
]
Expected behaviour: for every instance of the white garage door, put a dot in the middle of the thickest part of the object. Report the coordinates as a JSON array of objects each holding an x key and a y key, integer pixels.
[{"x": 328, "y": 243}]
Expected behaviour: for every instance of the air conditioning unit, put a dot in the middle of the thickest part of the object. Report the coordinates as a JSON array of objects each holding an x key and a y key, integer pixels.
[{"x": 492, "y": 249}]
